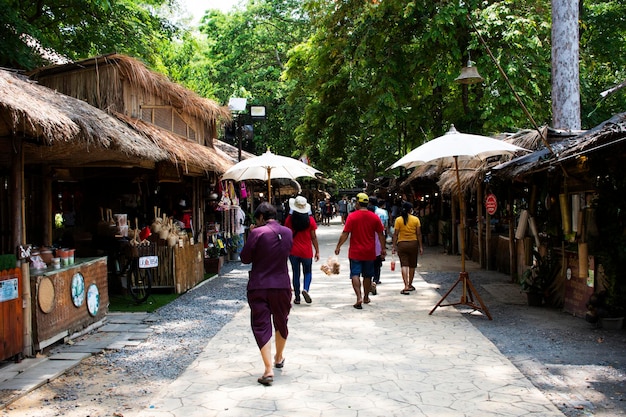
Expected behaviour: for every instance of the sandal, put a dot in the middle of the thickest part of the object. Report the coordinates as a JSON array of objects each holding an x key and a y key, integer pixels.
[
  {"x": 280, "y": 364},
  {"x": 358, "y": 306},
  {"x": 405, "y": 292},
  {"x": 411, "y": 288},
  {"x": 366, "y": 300},
  {"x": 266, "y": 380}
]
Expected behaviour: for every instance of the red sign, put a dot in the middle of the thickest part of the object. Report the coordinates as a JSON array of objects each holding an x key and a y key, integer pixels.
[{"x": 491, "y": 204}]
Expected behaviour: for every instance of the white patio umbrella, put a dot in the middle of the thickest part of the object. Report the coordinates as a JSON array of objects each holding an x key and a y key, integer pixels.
[
  {"x": 268, "y": 166},
  {"x": 448, "y": 149}
]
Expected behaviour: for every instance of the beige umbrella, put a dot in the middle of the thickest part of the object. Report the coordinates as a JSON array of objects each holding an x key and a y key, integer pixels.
[
  {"x": 448, "y": 149},
  {"x": 269, "y": 166}
]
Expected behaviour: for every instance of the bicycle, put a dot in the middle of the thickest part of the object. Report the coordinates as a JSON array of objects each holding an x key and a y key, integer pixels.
[
  {"x": 133, "y": 266},
  {"x": 139, "y": 278}
]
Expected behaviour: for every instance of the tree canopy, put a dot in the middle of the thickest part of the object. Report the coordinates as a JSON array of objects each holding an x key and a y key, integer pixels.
[{"x": 352, "y": 84}]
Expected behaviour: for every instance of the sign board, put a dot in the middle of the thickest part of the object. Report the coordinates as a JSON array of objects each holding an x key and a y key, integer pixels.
[
  {"x": 148, "y": 262},
  {"x": 9, "y": 289},
  {"x": 491, "y": 204}
]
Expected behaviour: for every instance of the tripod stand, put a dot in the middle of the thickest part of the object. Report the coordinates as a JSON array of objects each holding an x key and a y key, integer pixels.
[{"x": 467, "y": 296}]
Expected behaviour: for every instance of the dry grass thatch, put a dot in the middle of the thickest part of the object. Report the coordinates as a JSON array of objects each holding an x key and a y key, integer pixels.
[
  {"x": 47, "y": 117},
  {"x": 104, "y": 91},
  {"x": 26, "y": 111},
  {"x": 610, "y": 132},
  {"x": 229, "y": 151},
  {"x": 471, "y": 173},
  {"x": 191, "y": 155}
]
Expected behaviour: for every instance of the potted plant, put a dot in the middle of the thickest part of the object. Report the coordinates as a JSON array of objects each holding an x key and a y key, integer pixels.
[
  {"x": 212, "y": 261},
  {"x": 234, "y": 245},
  {"x": 536, "y": 280}
]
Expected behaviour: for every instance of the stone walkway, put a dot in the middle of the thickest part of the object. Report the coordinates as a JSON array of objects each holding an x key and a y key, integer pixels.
[{"x": 390, "y": 359}]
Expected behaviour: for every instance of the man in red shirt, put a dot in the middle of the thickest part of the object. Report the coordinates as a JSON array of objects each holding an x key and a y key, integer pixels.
[{"x": 362, "y": 226}]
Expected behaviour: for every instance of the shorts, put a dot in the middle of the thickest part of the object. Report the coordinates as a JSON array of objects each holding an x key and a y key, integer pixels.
[
  {"x": 358, "y": 268},
  {"x": 407, "y": 253}
]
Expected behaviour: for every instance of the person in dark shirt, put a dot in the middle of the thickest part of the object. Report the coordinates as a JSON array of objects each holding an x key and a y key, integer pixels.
[{"x": 269, "y": 285}]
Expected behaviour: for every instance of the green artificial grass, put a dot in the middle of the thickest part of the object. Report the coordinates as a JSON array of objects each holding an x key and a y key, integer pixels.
[{"x": 126, "y": 304}]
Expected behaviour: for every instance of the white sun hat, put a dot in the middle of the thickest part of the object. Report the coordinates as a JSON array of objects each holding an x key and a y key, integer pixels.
[{"x": 299, "y": 204}]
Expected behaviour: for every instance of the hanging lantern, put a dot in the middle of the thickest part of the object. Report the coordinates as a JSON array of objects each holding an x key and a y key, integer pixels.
[{"x": 469, "y": 75}]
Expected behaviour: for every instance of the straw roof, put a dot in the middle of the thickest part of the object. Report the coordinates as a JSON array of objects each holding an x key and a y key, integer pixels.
[
  {"x": 231, "y": 152},
  {"x": 180, "y": 151},
  {"x": 71, "y": 128},
  {"x": 137, "y": 74},
  {"x": 471, "y": 173}
]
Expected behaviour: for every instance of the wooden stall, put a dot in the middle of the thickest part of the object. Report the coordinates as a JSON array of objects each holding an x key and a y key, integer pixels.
[
  {"x": 188, "y": 266},
  {"x": 68, "y": 299},
  {"x": 181, "y": 267},
  {"x": 578, "y": 286},
  {"x": 11, "y": 325}
]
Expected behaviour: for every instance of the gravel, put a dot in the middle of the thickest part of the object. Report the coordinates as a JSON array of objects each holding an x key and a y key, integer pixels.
[
  {"x": 581, "y": 368},
  {"x": 191, "y": 320}
]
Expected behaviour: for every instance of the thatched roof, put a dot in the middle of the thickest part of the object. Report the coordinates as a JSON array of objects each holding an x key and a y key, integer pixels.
[
  {"x": 137, "y": 74},
  {"x": 471, "y": 173},
  {"x": 191, "y": 155},
  {"x": 567, "y": 145},
  {"x": 76, "y": 130},
  {"x": 608, "y": 133},
  {"x": 230, "y": 151}
]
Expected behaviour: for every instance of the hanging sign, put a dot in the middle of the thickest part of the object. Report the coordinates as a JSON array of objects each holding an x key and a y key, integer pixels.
[
  {"x": 148, "y": 262},
  {"x": 491, "y": 204}
]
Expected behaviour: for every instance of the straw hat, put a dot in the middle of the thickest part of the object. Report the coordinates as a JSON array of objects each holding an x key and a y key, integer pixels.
[{"x": 299, "y": 204}]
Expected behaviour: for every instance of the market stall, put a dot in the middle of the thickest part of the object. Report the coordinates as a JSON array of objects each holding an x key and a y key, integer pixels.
[{"x": 67, "y": 299}]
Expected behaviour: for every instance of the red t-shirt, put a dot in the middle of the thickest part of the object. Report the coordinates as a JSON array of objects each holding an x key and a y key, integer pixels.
[
  {"x": 302, "y": 245},
  {"x": 363, "y": 226}
]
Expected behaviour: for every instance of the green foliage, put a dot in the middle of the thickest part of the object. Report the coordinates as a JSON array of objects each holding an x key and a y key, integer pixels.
[
  {"x": 538, "y": 278},
  {"x": 77, "y": 29},
  {"x": 244, "y": 55},
  {"x": 603, "y": 59}
]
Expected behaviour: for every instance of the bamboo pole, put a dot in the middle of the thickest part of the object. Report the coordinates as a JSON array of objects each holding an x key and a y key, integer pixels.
[{"x": 479, "y": 211}]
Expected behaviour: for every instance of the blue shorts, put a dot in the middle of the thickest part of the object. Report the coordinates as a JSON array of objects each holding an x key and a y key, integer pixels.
[{"x": 358, "y": 268}]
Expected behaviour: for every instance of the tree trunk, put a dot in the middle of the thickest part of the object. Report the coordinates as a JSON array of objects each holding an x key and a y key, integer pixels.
[{"x": 565, "y": 69}]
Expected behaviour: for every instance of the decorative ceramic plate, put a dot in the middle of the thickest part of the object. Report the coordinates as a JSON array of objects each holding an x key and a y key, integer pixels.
[
  {"x": 78, "y": 289},
  {"x": 93, "y": 299}
]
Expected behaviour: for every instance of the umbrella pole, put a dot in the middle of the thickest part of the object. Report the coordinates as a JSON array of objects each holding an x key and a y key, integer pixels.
[
  {"x": 467, "y": 296},
  {"x": 269, "y": 185}
]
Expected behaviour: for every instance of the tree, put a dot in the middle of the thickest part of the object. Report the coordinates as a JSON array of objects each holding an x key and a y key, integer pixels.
[
  {"x": 379, "y": 76},
  {"x": 603, "y": 59},
  {"x": 34, "y": 31},
  {"x": 244, "y": 56},
  {"x": 565, "y": 72}
]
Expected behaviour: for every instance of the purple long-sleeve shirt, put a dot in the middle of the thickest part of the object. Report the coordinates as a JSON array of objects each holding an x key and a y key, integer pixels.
[{"x": 267, "y": 249}]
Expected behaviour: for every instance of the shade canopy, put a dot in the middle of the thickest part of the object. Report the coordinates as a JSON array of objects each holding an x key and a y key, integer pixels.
[
  {"x": 449, "y": 149},
  {"x": 455, "y": 144},
  {"x": 267, "y": 167}
]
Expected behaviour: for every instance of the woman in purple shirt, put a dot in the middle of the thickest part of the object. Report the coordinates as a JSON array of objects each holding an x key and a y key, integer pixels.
[{"x": 269, "y": 285}]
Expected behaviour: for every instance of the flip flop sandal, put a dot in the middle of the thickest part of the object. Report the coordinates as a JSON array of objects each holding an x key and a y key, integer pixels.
[
  {"x": 280, "y": 364},
  {"x": 358, "y": 306},
  {"x": 405, "y": 292},
  {"x": 266, "y": 380}
]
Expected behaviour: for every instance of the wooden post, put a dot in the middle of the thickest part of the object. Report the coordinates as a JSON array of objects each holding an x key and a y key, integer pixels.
[
  {"x": 46, "y": 209},
  {"x": 453, "y": 231},
  {"x": 479, "y": 211},
  {"x": 17, "y": 195},
  {"x": 512, "y": 247}
]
